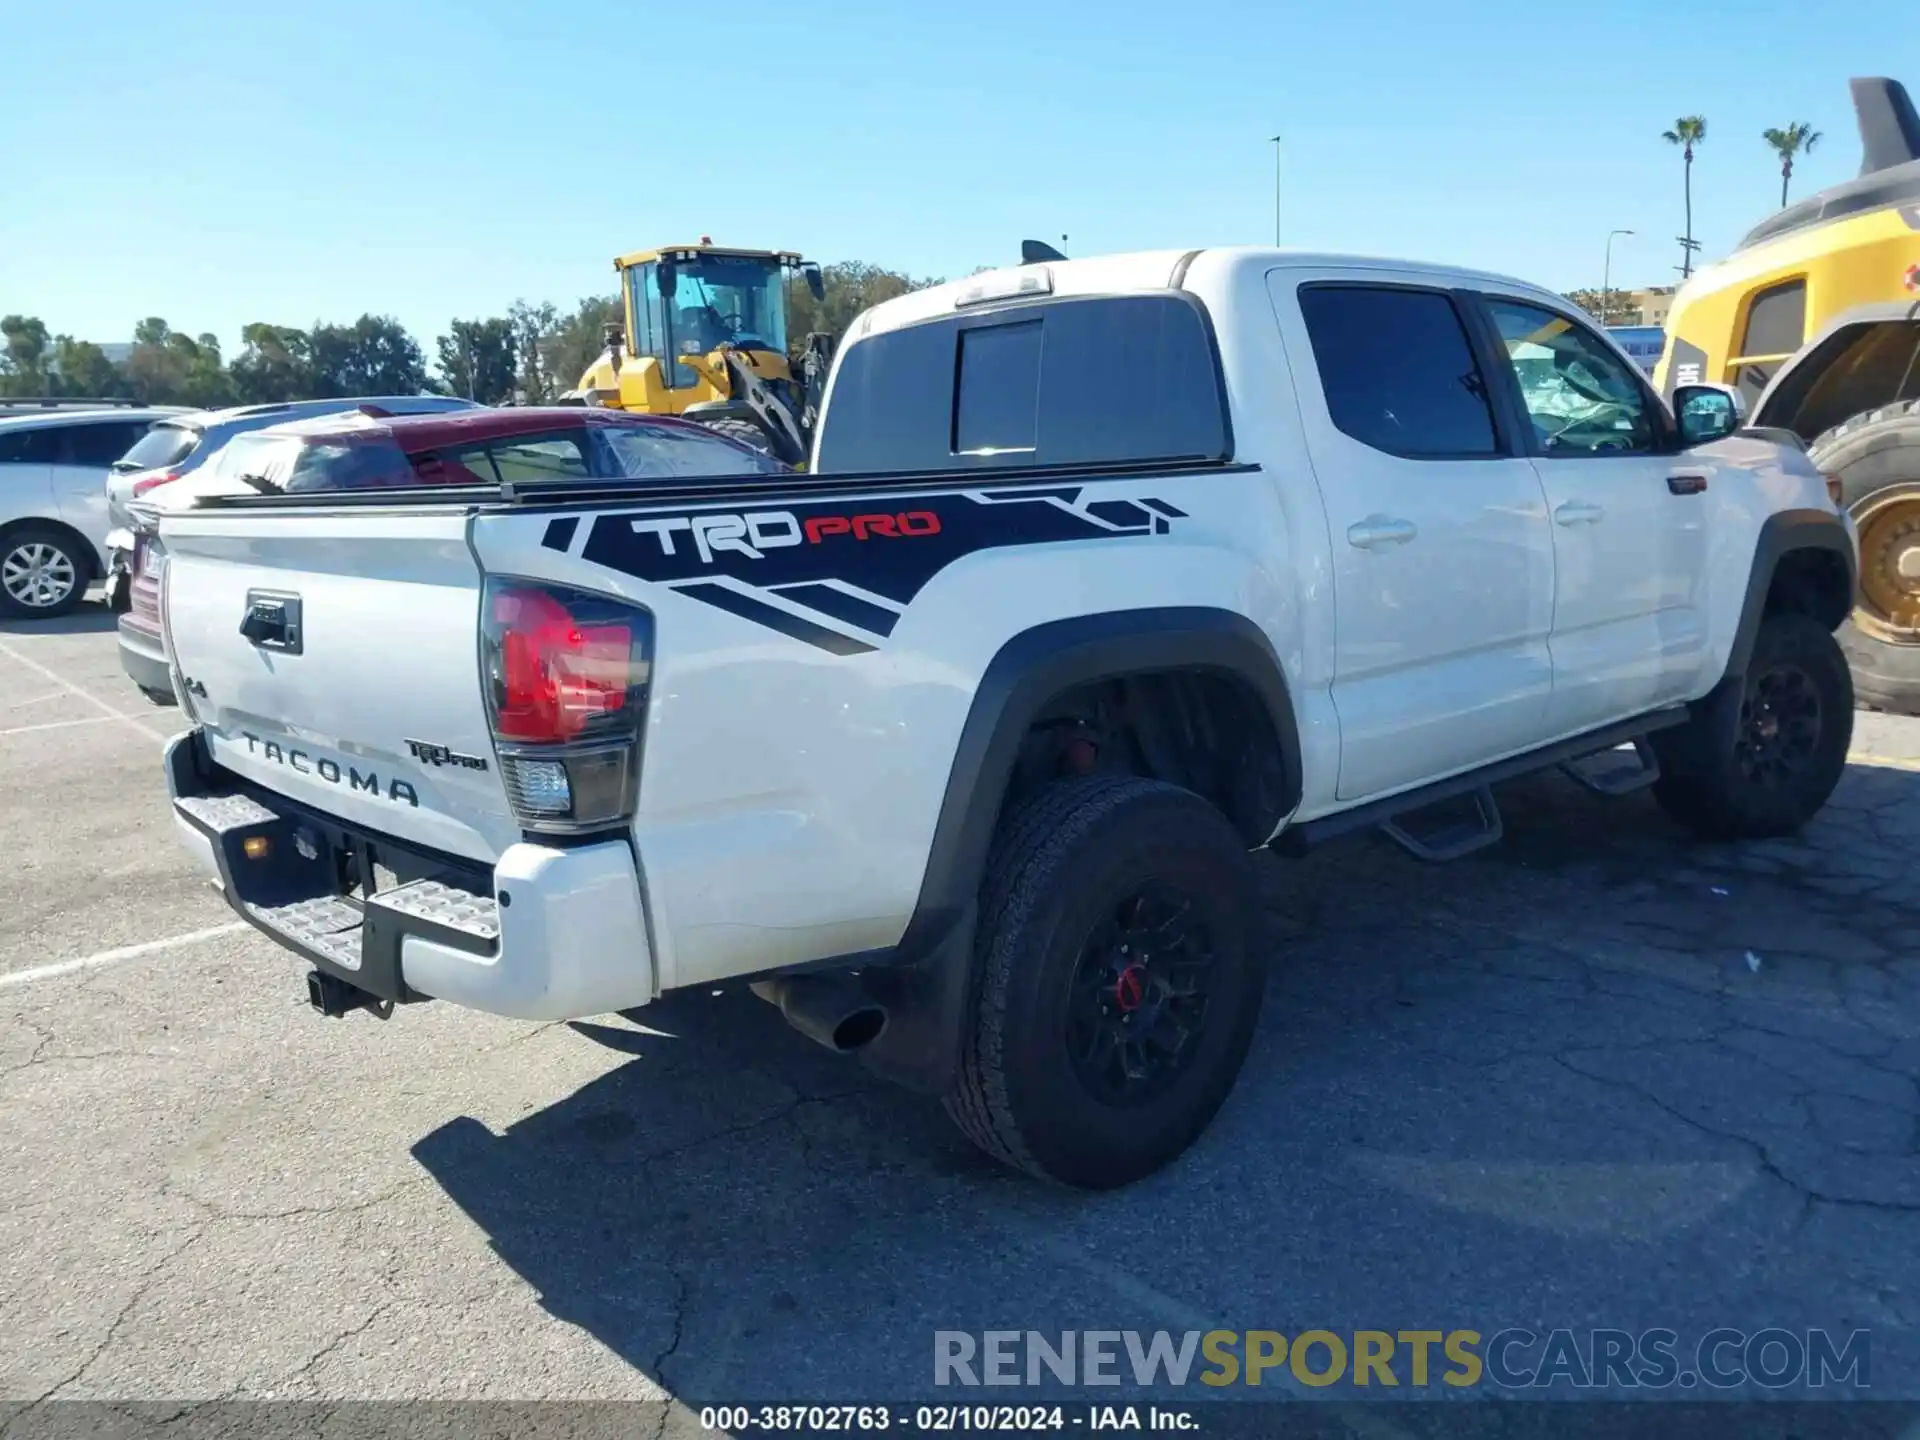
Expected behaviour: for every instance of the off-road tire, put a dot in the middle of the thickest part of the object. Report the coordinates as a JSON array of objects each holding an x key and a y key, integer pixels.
[
  {"x": 1702, "y": 781},
  {"x": 1870, "y": 453},
  {"x": 746, "y": 432},
  {"x": 76, "y": 556},
  {"x": 1065, "y": 859}
]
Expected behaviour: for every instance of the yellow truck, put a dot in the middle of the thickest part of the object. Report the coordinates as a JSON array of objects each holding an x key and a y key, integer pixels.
[
  {"x": 1815, "y": 319},
  {"x": 704, "y": 335}
]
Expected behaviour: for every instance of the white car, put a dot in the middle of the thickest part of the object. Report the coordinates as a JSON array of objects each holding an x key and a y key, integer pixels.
[
  {"x": 54, "y": 460},
  {"x": 955, "y": 746}
]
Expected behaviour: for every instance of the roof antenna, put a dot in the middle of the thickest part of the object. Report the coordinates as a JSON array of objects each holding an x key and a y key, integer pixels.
[
  {"x": 1035, "y": 252},
  {"x": 1889, "y": 129}
]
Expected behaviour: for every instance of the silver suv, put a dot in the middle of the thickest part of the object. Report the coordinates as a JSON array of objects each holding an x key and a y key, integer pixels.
[{"x": 54, "y": 457}]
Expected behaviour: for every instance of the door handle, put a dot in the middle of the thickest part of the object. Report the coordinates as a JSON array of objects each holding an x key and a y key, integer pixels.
[
  {"x": 272, "y": 621},
  {"x": 1378, "y": 531},
  {"x": 1578, "y": 512},
  {"x": 1686, "y": 484}
]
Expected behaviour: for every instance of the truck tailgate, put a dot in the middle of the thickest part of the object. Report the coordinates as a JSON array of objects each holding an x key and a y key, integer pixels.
[{"x": 360, "y": 694}]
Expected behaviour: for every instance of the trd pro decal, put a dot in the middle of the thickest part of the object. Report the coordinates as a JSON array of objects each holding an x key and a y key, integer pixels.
[{"x": 816, "y": 556}]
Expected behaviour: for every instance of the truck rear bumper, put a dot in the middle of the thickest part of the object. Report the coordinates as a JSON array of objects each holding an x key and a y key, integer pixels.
[{"x": 544, "y": 934}]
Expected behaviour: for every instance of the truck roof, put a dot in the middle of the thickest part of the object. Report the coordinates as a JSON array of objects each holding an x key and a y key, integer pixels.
[{"x": 1157, "y": 270}]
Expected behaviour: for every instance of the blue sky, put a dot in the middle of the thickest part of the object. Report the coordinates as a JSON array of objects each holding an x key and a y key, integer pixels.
[{"x": 216, "y": 163}]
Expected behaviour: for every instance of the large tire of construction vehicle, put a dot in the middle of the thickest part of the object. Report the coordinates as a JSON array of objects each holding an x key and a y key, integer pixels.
[
  {"x": 745, "y": 431},
  {"x": 1876, "y": 458}
]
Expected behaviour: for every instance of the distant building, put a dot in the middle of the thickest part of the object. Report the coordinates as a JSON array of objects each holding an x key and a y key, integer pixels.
[
  {"x": 1643, "y": 307},
  {"x": 118, "y": 351},
  {"x": 1642, "y": 342}
]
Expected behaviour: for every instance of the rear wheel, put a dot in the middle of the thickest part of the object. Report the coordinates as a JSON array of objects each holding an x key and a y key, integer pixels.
[
  {"x": 43, "y": 573},
  {"x": 1876, "y": 458},
  {"x": 1121, "y": 981},
  {"x": 1763, "y": 757}
]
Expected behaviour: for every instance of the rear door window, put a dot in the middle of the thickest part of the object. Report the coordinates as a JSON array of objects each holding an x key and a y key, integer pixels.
[
  {"x": 1398, "y": 372},
  {"x": 29, "y": 447},
  {"x": 519, "y": 459},
  {"x": 97, "y": 445}
]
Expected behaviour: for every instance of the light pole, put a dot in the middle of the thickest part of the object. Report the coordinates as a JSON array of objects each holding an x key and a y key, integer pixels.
[
  {"x": 1276, "y": 190},
  {"x": 1606, "y": 277}
]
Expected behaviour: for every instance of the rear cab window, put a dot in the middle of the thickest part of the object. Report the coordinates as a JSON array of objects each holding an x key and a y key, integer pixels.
[
  {"x": 165, "y": 444},
  {"x": 1063, "y": 381}
]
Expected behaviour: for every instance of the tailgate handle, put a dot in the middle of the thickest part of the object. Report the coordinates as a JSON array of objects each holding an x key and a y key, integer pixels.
[{"x": 272, "y": 621}]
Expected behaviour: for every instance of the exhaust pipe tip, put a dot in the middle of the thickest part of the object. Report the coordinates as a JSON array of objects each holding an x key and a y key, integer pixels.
[{"x": 828, "y": 1009}]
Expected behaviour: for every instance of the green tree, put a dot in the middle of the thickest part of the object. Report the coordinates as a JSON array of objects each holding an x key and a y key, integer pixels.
[
  {"x": 373, "y": 356},
  {"x": 848, "y": 287},
  {"x": 1687, "y": 132},
  {"x": 275, "y": 364},
  {"x": 23, "y": 360},
  {"x": 84, "y": 370},
  {"x": 476, "y": 359},
  {"x": 578, "y": 339},
  {"x": 1798, "y": 138},
  {"x": 170, "y": 367},
  {"x": 534, "y": 327}
]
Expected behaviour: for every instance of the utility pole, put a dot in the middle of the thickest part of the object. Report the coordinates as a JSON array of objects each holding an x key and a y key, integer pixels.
[
  {"x": 1276, "y": 191},
  {"x": 1606, "y": 280}
]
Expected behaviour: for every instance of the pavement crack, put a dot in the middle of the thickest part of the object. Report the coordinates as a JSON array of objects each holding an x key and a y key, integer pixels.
[
  {"x": 140, "y": 1289},
  {"x": 1763, "y": 1157}
]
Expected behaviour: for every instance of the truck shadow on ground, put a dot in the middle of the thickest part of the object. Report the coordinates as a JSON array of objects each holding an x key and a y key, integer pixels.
[
  {"x": 1578, "y": 1078},
  {"x": 92, "y": 618}
]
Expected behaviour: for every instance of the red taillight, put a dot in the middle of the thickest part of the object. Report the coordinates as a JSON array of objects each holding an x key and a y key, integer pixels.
[
  {"x": 566, "y": 677},
  {"x": 557, "y": 676},
  {"x": 149, "y": 482}
]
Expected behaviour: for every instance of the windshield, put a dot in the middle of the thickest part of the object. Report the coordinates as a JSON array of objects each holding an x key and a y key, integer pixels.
[
  {"x": 164, "y": 444},
  {"x": 729, "y": 300}
]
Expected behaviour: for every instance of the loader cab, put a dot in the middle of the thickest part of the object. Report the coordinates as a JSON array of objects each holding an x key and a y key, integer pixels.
[{"x": 682, "y": 304}]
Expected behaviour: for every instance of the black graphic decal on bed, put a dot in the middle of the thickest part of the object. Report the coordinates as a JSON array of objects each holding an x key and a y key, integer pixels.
[{"x": 855, "y": 564}]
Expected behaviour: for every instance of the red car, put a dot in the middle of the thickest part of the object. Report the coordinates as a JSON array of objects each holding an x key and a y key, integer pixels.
[{"x": 368, "y": 449}]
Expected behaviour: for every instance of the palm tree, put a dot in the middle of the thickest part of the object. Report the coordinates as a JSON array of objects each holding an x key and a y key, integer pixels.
[
  {"x": 1798, "y": 138},
  {"x": 1687, "y": 132}
]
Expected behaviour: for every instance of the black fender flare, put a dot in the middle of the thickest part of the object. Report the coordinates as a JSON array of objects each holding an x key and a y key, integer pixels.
[
  {"x": 1783, "y": 533},
  {"x": 1779, "y": 404},
  {"x": 926, "y": 981}
]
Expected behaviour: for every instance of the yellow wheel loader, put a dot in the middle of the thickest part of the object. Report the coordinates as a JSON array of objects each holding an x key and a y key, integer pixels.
[
  {"x": 704, "y": 335},
  {"x": 1815, "y": 320}
]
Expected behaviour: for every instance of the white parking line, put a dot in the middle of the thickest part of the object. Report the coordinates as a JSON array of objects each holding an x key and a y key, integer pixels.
[
  {"x": 65, "y": 684},
  {"x": 1889, "y": 762},
  {"x": 114, "y": 957},
  {"x": 57, "y": 725}
]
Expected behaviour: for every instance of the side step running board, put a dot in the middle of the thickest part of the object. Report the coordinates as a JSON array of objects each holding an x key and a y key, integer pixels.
[
  {"x": 1449, "y": 842},
  {"x": 1608, "y": 772},
  {"x": 1450, "y": 839}
]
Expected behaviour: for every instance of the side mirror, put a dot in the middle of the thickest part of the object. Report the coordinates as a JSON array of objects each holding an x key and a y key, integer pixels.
[
  {"x": 1708, "y": 412},
  {"x": 816, "y": 287},
  {"x": 669, "y": 279}
]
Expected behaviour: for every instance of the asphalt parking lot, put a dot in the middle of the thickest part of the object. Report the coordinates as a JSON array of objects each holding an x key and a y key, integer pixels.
[{"x": 1597, "y": 1077}]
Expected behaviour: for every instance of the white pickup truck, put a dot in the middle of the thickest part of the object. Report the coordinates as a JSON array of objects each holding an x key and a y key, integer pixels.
[{"x": 1106, "y": 574}]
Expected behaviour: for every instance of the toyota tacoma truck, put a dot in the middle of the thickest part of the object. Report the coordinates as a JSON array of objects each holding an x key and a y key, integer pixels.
[{"x": 1105, "y": 575}]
